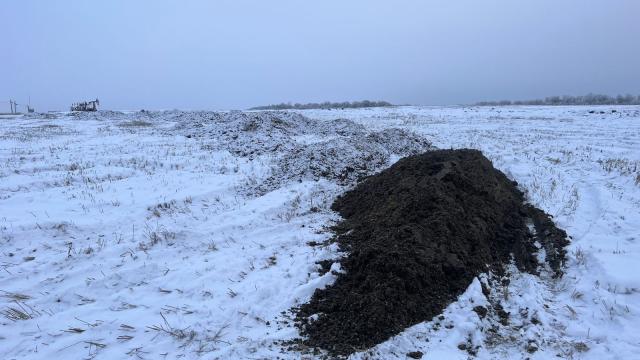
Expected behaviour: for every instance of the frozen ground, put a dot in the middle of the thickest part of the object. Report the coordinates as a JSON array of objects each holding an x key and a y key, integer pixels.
[{"x": 186, "y": 235}]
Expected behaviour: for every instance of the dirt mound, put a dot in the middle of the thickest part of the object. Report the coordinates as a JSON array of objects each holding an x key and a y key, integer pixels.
[
  {"x": 417, "y": 234},
  {"x": 344, "y": 159}
]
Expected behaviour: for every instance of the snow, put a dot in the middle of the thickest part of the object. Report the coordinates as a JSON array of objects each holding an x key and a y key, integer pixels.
[{"x": 185, "y": 234}]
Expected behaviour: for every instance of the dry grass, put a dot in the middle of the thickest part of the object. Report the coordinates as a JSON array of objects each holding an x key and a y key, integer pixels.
[
  {"x": 15, "y": 314},
  {"x": 179, "y": 334},
  {"x": 134, "y": 123}
]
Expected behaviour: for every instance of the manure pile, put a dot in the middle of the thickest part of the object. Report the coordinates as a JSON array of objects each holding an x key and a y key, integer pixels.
[{"x": 416, "y": 235}]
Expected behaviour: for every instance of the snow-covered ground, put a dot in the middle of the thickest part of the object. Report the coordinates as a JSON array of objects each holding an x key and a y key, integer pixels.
[{"x": 186, "y": 234}]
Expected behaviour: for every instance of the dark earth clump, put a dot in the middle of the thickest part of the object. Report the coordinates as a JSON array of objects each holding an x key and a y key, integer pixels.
[
  {"x": 481, "y": 311},
  {"x": 416, "y": 235}
]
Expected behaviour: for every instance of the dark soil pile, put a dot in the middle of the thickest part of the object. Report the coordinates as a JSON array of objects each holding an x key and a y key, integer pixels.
[{"x": 417, "y": 234}]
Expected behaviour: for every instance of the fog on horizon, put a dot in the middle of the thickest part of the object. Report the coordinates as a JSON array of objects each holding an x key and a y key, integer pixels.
[{"x": 237, "y": 54}]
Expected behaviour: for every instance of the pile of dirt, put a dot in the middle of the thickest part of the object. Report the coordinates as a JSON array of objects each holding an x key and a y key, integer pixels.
[
  {"x": 344, "y": 159},
  {"x": 416, "y": 235}
]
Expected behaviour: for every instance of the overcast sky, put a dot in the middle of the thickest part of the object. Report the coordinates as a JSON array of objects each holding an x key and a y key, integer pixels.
[{"x": 234, "y": 54}]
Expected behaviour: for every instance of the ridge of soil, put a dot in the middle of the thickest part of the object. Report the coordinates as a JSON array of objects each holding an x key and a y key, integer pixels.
[{"x": 416, "y": 235}]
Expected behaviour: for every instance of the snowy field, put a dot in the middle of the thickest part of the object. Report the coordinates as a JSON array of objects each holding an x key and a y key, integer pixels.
[{"x": 180, "y": 235}]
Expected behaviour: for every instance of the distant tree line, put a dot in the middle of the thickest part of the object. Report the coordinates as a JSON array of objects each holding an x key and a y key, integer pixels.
[
  {"x": 589, "y": 99},
  {"x": 324, "y": 105}
]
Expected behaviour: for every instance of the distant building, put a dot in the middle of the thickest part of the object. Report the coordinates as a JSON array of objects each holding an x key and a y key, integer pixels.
[{"x": 86, "y": 106}]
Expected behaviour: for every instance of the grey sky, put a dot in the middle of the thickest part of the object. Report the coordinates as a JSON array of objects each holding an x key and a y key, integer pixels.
[{"x": 234, "y": 54}]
